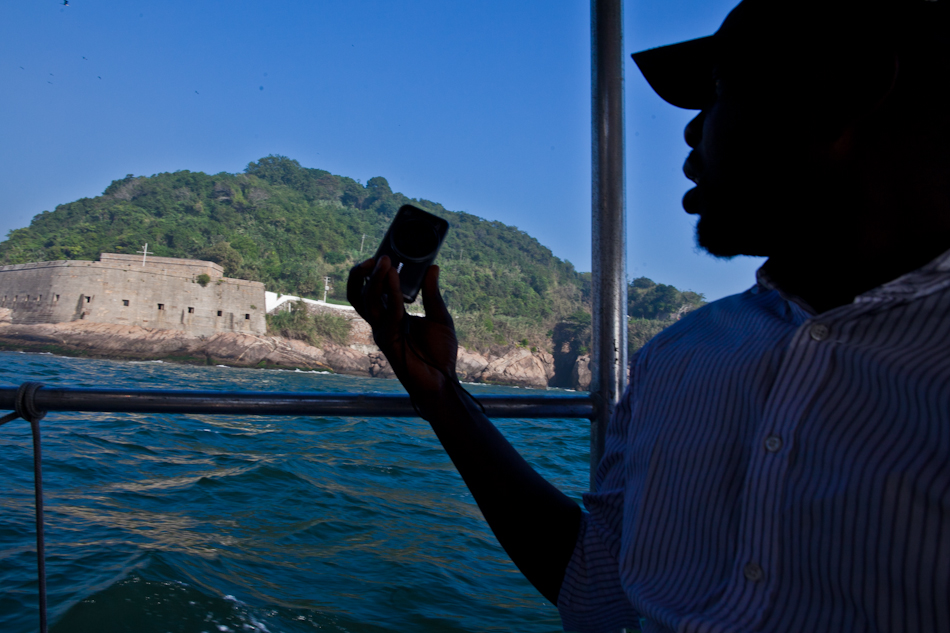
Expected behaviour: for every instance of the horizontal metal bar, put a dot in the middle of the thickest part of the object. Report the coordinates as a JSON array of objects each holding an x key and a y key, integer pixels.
[{"x": 278, "y": 403}]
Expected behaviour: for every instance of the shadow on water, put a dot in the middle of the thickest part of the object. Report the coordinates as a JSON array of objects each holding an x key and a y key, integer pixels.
[
  {"x": 208, "y": 523},
  {"x": 151, "y": 602}
]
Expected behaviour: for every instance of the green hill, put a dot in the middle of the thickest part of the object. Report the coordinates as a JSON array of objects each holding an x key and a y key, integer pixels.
[{"x": 290, "y": 226}]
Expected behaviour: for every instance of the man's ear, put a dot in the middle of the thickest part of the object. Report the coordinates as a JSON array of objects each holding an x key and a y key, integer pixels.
[
  {"x": 842, "y": 146},
  {"x": 849, "y": 95},
  {"x": 872, "y": 96},
  {"x": 941, "y": 143},
  {"x": 883, "y": 84}
]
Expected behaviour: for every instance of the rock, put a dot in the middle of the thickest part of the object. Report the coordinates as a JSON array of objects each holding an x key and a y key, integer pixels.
[
  {"x": 123, "y": 341},
  {"x": 469, "y": 365},
  {"x": 580, "y": 376},
  {"x": 508, "y": 365},
  {"x": 379, "y": 367},
  {"x": 517, "y": 367},
  {"x": 346, "y": 360},
  {"x": 361, "y": 335},
  {"x": 548, "y": 361},
  {"x": 280, "y": 352},
  {"x": 233, "y": 348},
  {"x": 108, "y": 340}
]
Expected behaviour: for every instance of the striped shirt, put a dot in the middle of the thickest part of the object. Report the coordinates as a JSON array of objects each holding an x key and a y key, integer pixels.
[{"x": 770, "y": 469}]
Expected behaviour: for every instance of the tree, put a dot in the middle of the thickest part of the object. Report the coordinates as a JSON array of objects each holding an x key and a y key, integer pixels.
[
  {"x": 643, "y": 283},
  {"x": 354, "y": 195},
  {"x": 378, "y": 187},
  {"x": 335, "y": 257},
  {"x": 276, "y": 169},
  {"x": 649, "y": 300},
  {"x": 222, "y": 254}
]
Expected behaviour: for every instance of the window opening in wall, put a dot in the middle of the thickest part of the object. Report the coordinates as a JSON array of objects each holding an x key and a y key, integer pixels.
[
  {"x": 191, "y": 310},
  {"x": 247, "y": 317},
  {"x": 57, "y": 298},
  {"x": 39, "y": 297},
  {"x": 125, "y": 302},
  {"x": 27, "y": 297},
  {"x": 88, "y": 299},
  {"x": 161, "y": 306},
  {"x": 219, "y": 312}
]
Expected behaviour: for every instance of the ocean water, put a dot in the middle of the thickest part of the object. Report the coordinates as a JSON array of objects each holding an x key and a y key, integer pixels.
[{"x": 185, "y": 523}]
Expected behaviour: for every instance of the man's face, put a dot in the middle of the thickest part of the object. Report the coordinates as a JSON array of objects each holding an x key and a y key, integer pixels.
[{"x": 760, "y": 167}]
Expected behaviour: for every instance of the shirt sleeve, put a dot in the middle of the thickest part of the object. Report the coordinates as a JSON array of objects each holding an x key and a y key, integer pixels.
[{"x": 592, "y": 599}]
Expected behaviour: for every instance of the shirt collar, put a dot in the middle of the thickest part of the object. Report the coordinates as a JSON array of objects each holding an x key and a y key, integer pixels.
[
  {"x": 924, "y": 281},
  {"x": 764, "y": 282}
]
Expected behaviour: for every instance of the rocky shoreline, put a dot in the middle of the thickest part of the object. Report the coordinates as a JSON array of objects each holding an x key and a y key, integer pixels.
[{"x": 511, "y": 365}]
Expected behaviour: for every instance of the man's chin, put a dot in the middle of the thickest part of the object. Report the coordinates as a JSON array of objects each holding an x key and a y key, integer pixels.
[{"x": 726, "y": 239}]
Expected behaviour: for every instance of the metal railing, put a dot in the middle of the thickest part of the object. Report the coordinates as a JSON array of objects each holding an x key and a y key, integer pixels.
[
  {"x": 32, "y": 401},
  {"x": 50, "y": 398}
]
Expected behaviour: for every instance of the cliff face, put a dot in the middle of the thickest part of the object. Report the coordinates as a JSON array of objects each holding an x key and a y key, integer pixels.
[
  {"x": 515, "y": 366},
  {"x": 107, "y": 340}
]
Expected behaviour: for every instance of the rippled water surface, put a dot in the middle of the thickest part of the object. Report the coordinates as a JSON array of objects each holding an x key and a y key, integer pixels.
[{"x": 186, "y": 523}]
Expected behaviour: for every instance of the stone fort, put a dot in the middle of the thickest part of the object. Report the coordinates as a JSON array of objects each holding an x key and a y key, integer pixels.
[{"x": 154, "y": 292}]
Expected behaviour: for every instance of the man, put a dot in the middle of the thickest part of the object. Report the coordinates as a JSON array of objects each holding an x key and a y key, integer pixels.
[{"x": 781, "y": 460}]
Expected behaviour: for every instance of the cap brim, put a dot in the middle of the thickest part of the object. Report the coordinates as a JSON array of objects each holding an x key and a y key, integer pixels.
[{"x": 682, "y": 74}]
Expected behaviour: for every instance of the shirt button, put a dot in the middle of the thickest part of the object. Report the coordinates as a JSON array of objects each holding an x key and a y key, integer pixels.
[
  {"x": 753, "y": 572},
  {"x": 819, "y": 332},
  {"x": 773, "y": 443}
]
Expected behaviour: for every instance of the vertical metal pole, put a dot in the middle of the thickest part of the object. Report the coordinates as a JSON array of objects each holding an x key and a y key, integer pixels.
[
  {"x": 609, "y": 259},
  {"x": 40, "y": 538}
]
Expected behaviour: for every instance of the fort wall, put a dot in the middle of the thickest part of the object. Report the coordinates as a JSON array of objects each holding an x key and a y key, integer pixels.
[
  {"x": 169, "y": 265},
  {"x": 165, "y": 293}
]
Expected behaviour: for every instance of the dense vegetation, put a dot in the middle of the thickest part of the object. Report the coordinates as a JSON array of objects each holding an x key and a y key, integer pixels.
[
  {"x": 299, "y": 323},
  {"x": 647, "y": 299},
  {"x": 289, "y": 227}
]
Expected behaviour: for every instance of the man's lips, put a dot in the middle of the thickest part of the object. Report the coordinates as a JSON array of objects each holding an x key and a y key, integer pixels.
[
  {"x": 691, "y": 201},
  {"x": 691, "y": 169}
]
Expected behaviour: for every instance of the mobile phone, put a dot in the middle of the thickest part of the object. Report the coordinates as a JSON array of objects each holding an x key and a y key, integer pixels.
[{"x": 412, "y": 243}]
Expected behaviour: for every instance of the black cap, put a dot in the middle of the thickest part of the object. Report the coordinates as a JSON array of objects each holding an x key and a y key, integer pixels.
[{"x": 777, "y": 33}]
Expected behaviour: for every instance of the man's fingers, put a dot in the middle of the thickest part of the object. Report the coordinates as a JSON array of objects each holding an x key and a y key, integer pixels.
[
  {"x": 432, "y": 298},
  {"x": 373, "y": 293},
  {"x": 355, "y": 282},
  {"x": 394, "y": 301}
]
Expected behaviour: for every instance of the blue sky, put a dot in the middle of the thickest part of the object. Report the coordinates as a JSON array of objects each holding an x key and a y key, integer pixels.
[{"x": 483, "y": 106}]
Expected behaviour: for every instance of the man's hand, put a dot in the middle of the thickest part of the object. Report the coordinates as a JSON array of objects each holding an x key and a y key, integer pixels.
[{"x": 421, "y": 350}]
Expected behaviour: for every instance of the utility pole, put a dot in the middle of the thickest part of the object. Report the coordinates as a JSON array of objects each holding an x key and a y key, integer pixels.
[
  {"x": 361, "y": 243},
  {"x": 326, "y": 288}
]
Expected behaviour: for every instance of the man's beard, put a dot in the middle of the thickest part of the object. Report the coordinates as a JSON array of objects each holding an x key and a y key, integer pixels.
[
  {"x": 736, "y": 229},
  {"x": 797, "y": 228}
]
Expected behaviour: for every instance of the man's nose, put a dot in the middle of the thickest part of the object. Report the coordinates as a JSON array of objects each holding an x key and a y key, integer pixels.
[{"x": 694, "y": 130}]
